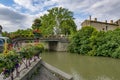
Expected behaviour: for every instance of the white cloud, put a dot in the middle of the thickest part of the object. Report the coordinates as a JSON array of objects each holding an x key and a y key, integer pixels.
[
  {"x": 104, "y": 9},
  {"x": 78, "y": 23},
  {"x": 26, "y": 4},
  {"x": 34, "y": 5},
  {"x": 12, "y": 20},
  {"x": 23, "y": 12}
]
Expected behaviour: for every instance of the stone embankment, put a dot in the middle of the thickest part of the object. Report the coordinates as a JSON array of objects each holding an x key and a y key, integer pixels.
[{"x": 41, "y": 70}]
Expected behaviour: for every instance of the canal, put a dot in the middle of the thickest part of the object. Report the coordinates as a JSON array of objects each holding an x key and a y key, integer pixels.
[{"x": 84, "y": 67}]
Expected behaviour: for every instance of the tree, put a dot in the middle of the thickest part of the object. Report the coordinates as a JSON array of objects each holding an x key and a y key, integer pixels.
[
  {"x": 60, "y": 19},
  {"x": 36, "y": 27},
  {"x": 80, "y": 42},
  {"x": 36, "y": 24}
]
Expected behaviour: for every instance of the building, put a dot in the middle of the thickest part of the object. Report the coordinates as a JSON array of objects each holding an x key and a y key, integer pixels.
[{"x": 101, "y": 25}]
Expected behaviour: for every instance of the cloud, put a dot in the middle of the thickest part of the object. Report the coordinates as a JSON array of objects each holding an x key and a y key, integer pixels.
[
  {"x": 22, "y": 13},
  {"x": 104, "y": 9},
  {"x": 12, "y": 20},
  {"x": 34, "y": 5},
  {"x": 28, "y": 4}
]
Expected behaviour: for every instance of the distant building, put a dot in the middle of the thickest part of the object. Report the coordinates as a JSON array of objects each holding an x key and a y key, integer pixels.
[
  {"x": 0, "y": 30},
  {"x": 101, "y": 25}
]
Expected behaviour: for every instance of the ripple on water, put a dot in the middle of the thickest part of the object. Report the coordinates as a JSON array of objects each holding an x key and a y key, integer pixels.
[
  {"x": 104, "y": 78},
  {"x": 76, "y": 75}
]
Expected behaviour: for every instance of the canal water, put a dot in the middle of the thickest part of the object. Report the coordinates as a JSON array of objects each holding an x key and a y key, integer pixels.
[{"x": 84, "y": 67}]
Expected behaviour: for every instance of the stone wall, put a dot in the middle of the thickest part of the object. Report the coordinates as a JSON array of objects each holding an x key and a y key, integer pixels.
[
  {"x": 100, "y": 26},
  {"x": 56, "y": 46},
  {"x": 62, "y": 46},
  {"x": 43, "y": 71},
  {"x": 103, "y": 26}
]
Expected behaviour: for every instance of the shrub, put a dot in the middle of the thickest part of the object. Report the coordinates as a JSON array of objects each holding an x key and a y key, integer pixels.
[
  {"x": 88, "y": 41},
  {"x": 116, "y": 54},
  {"x": 80, "y": 42},
  {"x": 8, "y": 62}
]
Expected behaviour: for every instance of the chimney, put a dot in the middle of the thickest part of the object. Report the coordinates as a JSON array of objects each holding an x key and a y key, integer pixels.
[
  {"x": 95, "y": 19},
  {"x": 111, "y": 21},
  {"x": 105, "y": 21}
]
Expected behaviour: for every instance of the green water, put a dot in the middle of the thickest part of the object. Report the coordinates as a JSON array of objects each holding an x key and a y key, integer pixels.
[{"x": 84, "y": 67}]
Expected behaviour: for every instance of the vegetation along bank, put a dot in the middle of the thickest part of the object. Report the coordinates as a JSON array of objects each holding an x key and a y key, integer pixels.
[{"x": 89, "y": 41}]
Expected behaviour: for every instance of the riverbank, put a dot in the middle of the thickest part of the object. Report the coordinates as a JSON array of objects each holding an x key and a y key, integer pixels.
[{"x": 89, "y": 41}]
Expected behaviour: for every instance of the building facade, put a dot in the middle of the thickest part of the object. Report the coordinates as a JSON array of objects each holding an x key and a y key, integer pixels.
[{"x": 101, "y": 26}]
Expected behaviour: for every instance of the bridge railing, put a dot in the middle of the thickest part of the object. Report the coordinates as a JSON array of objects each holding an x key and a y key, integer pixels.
[{"x": 45, "y": 38}]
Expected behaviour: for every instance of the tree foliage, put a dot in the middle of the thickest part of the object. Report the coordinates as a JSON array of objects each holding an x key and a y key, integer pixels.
[
  {"x": 80, "y": 43},
  {"x": 10, "y": 61},
  {"x": 19, "y": 33},
  {"x": 88, "y": 41},
  {"x": 36, "y": 24},
  {"x": 59, "y": 18}
]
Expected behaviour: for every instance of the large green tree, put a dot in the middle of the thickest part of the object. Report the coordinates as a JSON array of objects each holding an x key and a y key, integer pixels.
[{"x": 58, "y": 20}]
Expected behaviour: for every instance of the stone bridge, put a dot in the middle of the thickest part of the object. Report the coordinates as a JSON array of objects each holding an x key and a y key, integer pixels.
[{"x": 50, "y": 43}]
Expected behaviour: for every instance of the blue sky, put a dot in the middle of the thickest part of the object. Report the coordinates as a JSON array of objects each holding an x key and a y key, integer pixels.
[
  {"x": 7, "y": 2},
  {"x": 19, "y": 14}
]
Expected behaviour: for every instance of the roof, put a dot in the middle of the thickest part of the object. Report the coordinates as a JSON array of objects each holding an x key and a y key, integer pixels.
[
  {"x": 102, "y": 22},
  {"x": 117, "y": 20}
]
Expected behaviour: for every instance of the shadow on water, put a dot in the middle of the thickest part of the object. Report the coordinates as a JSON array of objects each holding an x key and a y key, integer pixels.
[{"x": 84, "y": 67}]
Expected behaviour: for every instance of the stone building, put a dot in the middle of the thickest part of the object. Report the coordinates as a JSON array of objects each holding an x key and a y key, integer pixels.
[{"x": 101, "y": 25}]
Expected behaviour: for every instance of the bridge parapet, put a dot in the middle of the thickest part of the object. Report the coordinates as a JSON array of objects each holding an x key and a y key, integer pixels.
[
  {"x": 53, "y": 43},
  {"x": 45, "y": 38}
]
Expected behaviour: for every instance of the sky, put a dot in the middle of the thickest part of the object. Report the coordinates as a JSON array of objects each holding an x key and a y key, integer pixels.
[{"x": 20, "y": 14}]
